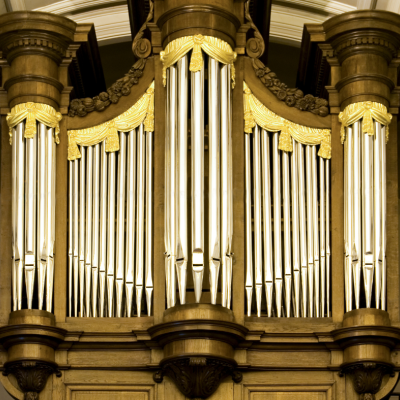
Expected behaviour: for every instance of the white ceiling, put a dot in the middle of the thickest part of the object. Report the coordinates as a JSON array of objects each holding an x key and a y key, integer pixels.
[{"x": 112, "y": 23}]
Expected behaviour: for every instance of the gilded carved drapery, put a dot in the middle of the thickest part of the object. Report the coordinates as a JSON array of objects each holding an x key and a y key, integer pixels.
[
  {"x": 256, "y": 113},
  {"x": 214, "y": 47},
  {"x": 32, "y": 113},
  {"x": 367, "y": 111},
  {"x": 141, "y": 111}
]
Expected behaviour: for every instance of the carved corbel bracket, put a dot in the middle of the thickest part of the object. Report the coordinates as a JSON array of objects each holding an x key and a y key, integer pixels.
[
  {"x": 31, "y": 375},
  {"x": 367, "y": 377},
  {"x": 198, "y": 377}
]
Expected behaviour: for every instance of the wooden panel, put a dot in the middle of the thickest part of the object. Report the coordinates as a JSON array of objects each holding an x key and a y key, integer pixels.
[
  {"x": 289, "y": 396},
  {"x": 116, "y": 395},
  {"x": 119, "y": 358}
]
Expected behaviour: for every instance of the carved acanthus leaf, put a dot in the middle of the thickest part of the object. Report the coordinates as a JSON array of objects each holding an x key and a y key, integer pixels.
[
  {"x": 31, "y": 376},
  {"x": 198, "y": 377},
  {"x": 292, "y": 97}
]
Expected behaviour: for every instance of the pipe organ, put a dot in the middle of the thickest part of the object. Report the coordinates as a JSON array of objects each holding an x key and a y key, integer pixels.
[{"x": 200, "y": 230}]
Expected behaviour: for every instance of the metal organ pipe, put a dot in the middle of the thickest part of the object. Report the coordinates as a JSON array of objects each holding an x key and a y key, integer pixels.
[
  {"x": 266, "y": 190},
  {"x": 322, "y": 234},
  {"x": 277, "y": 224},
  {"x": 257, "y": 217},
  {"x": 130, "y": 222},
  {"x": 82, "y": 230},
  {"x": 120, "y": 237},
  {"x": 182, "y": 251},
  {"x": 197, "y": 146},
  {"x": 89, "y": 226},
  {"x": 383, "y": 229},
  {"x": 70, "y": 234},
  {"x": 215, "y": 252},
  {"x": 149, "y": 231},
  {"x": 30, "y": 217},
  {"x": 96, "y": 224}
]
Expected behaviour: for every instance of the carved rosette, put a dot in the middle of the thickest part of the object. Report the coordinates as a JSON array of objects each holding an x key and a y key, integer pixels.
[
  {"x": 367, "y": 377},
  {"x": 198, "y": 377},
  {"x": 31, "y": 375}
]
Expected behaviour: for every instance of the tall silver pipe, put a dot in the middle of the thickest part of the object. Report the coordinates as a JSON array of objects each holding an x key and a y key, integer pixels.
[
  {"x": 89, "y": 227},
  {"x": 322, "y": 210},
  {"x": 383, "y": 229},
  {"x": 310, "y": 231},
  {"x": 215, "y": 169},
  {"x": 82, "y": 203},
  {"x": 328, "y": 238},
  {"x": 140, "y": 219},
  {"x": 120, "y": 237},
  {"x": 225, "y": 85},
  {"x": 277, "y": 224},
  {"x": 302, "y": 229},
  {"x": 76, "y": 235},
  {"x": 182, "y": 251},
  {"x": 229, "y": 259},
  {"x": 42, "y": 233},
  {"x": 356, "y": 212},
  {"x": 317, "y": 298},
  {"x": 377, "y": 162},
  {"x": 51, "y": 216},
  {"x": 197, "y": 149},
  {"x": 30, "y": 218},
  {"x": 249, "y": 239},
  {"x": 14, "y": 228},
  {"x": 103, "y": 228},
  {"x": 18, "y": 208},
  {"x": 268, "y": 252},
  {"x": 172, "y": 127},
  {"x": 257, "y": 217},
  {"x": 286, "y": 231},
  {"x": 149, "y": 220},
  {"x": 368, "y": 213},
  {"x": 130, "y": 222},
  {"x": 295, "y": 230},
  {"x": 348, "y": 217},
  {"x": 96, "y": 226},
  {"x": 111, "y": 233},
  {"x": 70, "y": 233},
  {"x": 167, "y": 199}
]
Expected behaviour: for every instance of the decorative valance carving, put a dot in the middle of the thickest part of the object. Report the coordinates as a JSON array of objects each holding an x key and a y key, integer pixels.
[
  {"x": 142, "y": 111},
  {"x": 292, "y": 97},
  {"x": 214, "y": 47},
  {"x": 367, "y": 111},
  {"x": 32, "y": 113},
  {"x": 256, "y": 113}
]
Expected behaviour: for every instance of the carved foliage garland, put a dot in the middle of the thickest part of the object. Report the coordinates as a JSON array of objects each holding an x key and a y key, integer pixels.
[
  {"x": 214, "y": 47},
  {"x": 292, "y": 97},
  {"x": 142, "y": 111},
  {"x": 122, "y": 87},
  {"x": 368, "y": 111},
  {"x": 197, "y": 377},
  {"x": 31, "y": 376},
  {"x": 256, "y": 113},
  {"x": 32, "y": 113}
]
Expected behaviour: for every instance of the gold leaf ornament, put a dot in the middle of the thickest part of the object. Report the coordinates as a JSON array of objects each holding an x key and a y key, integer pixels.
[
  {"x": 368, "y": 111},
  {"x": 214, "y": 47},
  {"x": 256, "y": 113},
  {"x": 32, "y": 113},
  {"x": 141, "y": 112}
]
